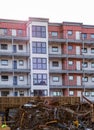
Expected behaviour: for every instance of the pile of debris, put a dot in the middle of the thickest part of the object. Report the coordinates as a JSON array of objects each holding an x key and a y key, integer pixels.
[{"x": 48, "y": 114}]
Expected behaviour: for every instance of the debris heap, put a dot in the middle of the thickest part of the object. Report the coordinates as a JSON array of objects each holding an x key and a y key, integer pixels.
[{"x": 48, "y": 114}]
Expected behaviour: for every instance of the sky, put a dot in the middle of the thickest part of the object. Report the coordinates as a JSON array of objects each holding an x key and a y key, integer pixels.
[{"x": 57, "y": 11}]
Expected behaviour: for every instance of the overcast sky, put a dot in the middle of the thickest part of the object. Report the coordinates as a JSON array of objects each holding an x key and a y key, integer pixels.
[{"x": 56, "y": 10}]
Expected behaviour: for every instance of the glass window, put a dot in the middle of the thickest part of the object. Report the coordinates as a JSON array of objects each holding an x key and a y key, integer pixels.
[
  {"x": 4, "y": 46},
  {"x": 21, "y": 93},
  {"x": 3, "y": 31},
  {"x": 87, "y": 94},
  {"x": 71, "y": 93},
  {"x": 92, "y": 94},
  {"x": 54, "y": 34},
  {"x": 92, "y": 79},
  {"x": 4, "y": 78},
  {"x": 39, "y": 31},
  {"x": 70, "y": 47},
  {"x": 84, "y": 35},
  {"x": 85, "y": 79},
  {"x": 56, "y": 93},
  {"x": 39, "y": 47},
  {"x": 55, "y": 64},
  {"x": 92, "y": 64},
  {"x": 70, "y": 62},
  {"x": 84, "y": 50},
  {"x": 4, "y": 93},
  {"x": 54, "y": 49},
  {"x": 85, "y": 65},
  {"x": 40, "y": 63},
  {"x": 70, "y": 77},
  {"x": 92, "y": 35},
  {"x": 69, "y": 32},
  {"x": 20, "y": 32},
  {"x": 55, "y": 79},
  {"x": 92, "y": 50},
  {"x": 20, "y": 47},
  {"x": 39, "y": 79},
  {"x": 21, "y": 78},
  {"x": 21, "y": 62},
  {"x": 4, "y": 62}
]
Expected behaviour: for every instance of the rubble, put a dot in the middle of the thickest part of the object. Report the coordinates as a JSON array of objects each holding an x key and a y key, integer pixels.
[{"x": 49, "y": 114}]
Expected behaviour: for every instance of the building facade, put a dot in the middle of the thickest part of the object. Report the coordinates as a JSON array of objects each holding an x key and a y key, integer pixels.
[{"x": 47, "y": 59}]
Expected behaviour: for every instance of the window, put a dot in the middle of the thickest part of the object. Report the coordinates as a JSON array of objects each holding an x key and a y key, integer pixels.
[
  {"x": 70, "y": 77},
  {"x": 21, "y": 62},
  {"x": 3, "y": 31},
  {"x": 70, "y": 62},
  {"x": 84, "y": 35},
  {"x": 70, "y": 47},
  {"x": 92, "y": 35},
  {"x": 57, "y": 93},
  {"x": 55, "y": 79},
  {"x": 21, "y": 78},
  {"x": 87, "y": 94},
  {"x": 54, "y": 49},
  {"x": 92, "y": 79},
  {"x": 4, "y": 46},
  {"x": 69, "y": 32},
  {"x": 4, "y": 78},
  {"x": 40, "y": 63},
  {"x": 54, "y": 34},
  {"x": 92, "y": 64},
  {"x": 20, "y": 47},
  {"x": 84, "y": 50},
  {"x": 55, "y": 64},
  {"x": 4, "y": 93},
  {"x": 40, "y": 92},
  {"x": 4, "y": 62},
  {"x": 13, "y": 32},
  {"x": 21, "y": 93},
  {"x": 92, "y": 50},
  {"x": 39, "y": 79},
  {"x": 85, "y": 65},
  {"x": 71, "y": 93},
  {"x": 20, "y": 31},
  {"x": 85, "y": 79},
  {"x": 39, "y": 47},
  {"x": 92, "y": 94},
  {"x": 39, "y": 31}
]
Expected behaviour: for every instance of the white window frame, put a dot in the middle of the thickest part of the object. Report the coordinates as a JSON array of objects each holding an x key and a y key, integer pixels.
[
  {"x": 4, "y": 62},
  {"x": 55, "y": 78},
  {"x": 71, "y": 93},
  {"x": 21, "y": 62},
  {"x": 70, "y": 77},
  {"x": 21, "y": 78},
  {"x": 70, "y": 62}
]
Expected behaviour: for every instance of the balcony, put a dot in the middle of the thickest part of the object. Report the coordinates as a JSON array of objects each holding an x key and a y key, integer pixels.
[
  {"x": 61, "y": 71},
  {"x": 63, "y": 86},
  {"x": 17, "y": 54},
  {"x": 10, "y": 70},
  {"x": 10, "y": 86},
  {"x": 15, "y": 38}
]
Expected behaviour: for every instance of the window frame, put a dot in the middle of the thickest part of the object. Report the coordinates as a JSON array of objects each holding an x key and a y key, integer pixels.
[
  {"x": 54, "y": 48},
  {"x": 4, "y": 78},
  {"x": 55, "y": 78},
  {"x": 3, "y": 62}
]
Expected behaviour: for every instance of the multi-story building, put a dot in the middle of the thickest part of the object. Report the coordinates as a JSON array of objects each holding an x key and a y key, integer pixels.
[{"x": 48, "y": 59}]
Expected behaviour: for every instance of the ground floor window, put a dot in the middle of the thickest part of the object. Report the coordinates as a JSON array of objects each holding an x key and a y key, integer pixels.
[
  {"x": 40, "y": 93},
  {"x": 4, "y": 93}
]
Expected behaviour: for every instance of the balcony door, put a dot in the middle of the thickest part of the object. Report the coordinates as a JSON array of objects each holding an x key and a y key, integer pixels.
[
  {"x": 15, "y": 80},
  {"x": 14, "y": 48},
  {"x": 14, "y": 64}
]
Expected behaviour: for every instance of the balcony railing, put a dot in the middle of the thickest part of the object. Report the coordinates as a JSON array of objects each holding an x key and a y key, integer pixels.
[
  {"x": 10, "y": 70},
  {"x": 10, "y": 54},
  {"x": 16, "y": 38},
  {"x": 15, "y": 86}
]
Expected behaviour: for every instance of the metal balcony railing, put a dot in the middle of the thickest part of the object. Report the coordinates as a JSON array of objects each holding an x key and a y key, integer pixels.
[
  {"x": 24, "y": 86},
  {"x": 10, "y": 70},
  {"x": 15, "y": 38}
]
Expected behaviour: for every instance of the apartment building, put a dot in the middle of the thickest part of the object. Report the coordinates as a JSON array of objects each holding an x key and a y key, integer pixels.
[{"x": 47, "y": 59}]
